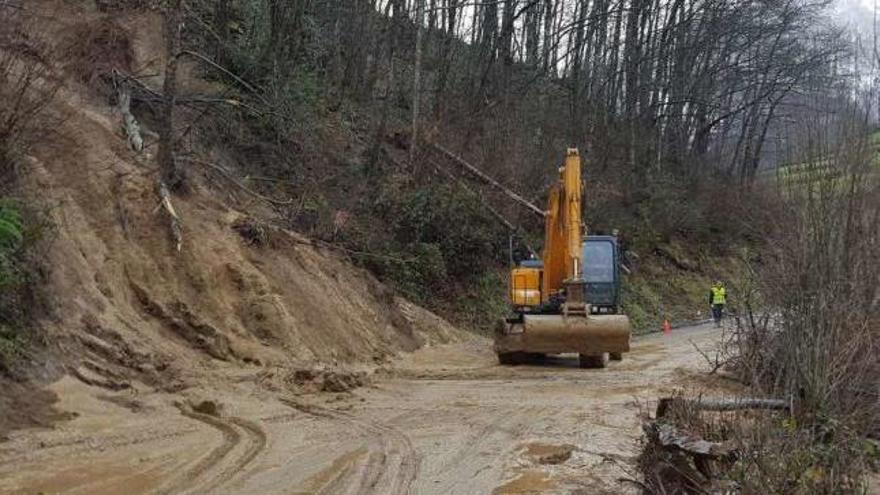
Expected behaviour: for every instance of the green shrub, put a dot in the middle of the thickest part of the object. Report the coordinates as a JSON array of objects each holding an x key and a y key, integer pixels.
[
  {"x": 441, "y": 249},
  {"x": 11, "y": 237},
  {"x": 22, "y": 230},
  {"x": 484, "y": 302},
  {"x": 11, "y": 240},
  {"x": 469, "y": 240},
  {"x": 417, "y": 269}
]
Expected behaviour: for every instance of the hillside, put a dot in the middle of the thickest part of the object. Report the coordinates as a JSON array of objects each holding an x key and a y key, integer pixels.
[
  {"x": 245, "y": 289},
  {"x": 123, "y": 306}
]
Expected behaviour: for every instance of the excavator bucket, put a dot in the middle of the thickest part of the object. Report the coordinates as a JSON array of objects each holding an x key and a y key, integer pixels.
[{"x": 592, "y": 335}]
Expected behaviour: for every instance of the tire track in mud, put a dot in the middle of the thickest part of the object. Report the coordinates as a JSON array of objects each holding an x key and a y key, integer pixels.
[
  {"x": 256, "y": 445},
  {"x": 391, "y": 464},
  {"x": 220, "y": 466},
  {"x": 82, "y": 445},
  {"x": 503, "y": 421},
  {"x": 231, "y": 438}
]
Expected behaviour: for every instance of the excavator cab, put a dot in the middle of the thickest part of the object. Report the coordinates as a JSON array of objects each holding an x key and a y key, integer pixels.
[{"x": 602, "y": 273}]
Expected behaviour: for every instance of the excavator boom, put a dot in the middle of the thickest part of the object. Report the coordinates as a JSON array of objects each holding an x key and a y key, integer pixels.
[{"x": 562, "y": 227}]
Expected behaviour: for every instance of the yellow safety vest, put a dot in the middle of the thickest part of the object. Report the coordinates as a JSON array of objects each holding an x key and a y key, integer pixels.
[{"x": 719, "y": 295}]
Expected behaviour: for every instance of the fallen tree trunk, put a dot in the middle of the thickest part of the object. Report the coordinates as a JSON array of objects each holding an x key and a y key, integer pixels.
[
  {"x": 706, "y": 404},
  {"x": 473, "y": 193},
  {"x": 695, "y": 459},
  {"x": 485, "y": 178}
]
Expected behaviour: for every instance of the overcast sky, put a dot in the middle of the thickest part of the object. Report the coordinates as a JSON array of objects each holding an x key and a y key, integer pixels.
[{"x": 856, "y": 13}]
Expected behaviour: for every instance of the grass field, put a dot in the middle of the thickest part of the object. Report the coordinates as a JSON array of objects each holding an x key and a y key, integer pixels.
[{"x": 825, "y": 174}]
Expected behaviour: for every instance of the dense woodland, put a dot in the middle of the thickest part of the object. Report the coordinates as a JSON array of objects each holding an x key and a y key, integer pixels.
[
  {"x": 662, "y": 86},
  {"x": 674, "y": 83},
  {"x": 672, "y": 103}
]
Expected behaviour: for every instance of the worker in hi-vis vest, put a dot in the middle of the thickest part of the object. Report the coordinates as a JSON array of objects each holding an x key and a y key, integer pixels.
[{"x": 717, "y": 299}]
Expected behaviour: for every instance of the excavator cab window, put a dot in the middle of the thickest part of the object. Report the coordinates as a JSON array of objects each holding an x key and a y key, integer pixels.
[
  {"x": 599, "y": 261},
  {"x": 601, "y": 273},
  {"x": 518, "y": 251}
]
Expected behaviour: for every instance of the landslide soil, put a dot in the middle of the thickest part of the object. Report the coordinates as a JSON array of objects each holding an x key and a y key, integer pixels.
[
  {"x": 125, "y": 309},
  {"x": 445, "y": 419}
]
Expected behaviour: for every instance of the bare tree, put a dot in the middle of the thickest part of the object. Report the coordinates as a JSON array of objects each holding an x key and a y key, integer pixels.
[
  {"x": 171, "y": 175},
  {"x": 417, "y": 79}
]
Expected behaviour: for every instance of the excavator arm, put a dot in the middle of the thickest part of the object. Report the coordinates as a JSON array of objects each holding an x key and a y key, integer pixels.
[{"x": 562, "y": 255}]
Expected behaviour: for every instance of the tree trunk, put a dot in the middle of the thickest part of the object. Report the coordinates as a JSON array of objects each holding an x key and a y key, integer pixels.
[
  {"x": 531, "y": 33},
  {"x": 417, "y": 76},
  {"x": 445, "y": 59},
  {"x": 171, "y": 174},
  {"x": 549, "y": 13}
]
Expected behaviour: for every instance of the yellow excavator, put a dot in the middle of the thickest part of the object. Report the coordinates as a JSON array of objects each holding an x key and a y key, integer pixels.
[{"x": 567, "y": 301}]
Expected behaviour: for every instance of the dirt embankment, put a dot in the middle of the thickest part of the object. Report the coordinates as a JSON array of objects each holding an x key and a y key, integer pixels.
[{"x": 126, "y": 306}]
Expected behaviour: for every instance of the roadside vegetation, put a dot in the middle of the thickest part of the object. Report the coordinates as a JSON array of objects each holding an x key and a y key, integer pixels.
[
  {"x": 10, "y": 241},
  {"x": 806, "y": 336},
  {"x": 26, "y": 86}
]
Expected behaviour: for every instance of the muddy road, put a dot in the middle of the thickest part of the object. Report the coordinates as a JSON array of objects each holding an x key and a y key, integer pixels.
[{"x": 445, "y": 419}]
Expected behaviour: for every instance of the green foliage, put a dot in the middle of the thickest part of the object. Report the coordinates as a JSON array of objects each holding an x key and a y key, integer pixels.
[
  {"x": 441, "y": 248},
  {"x": 456, "y": 222},
  {"x": 465, "y": 241},
  {"x": 641, "y": 304},
  {"x": 484, "y": 302},
  {"x": 11, "y": 237},
  {"x": 415, "y": 269},
  {"x": 21, "y": 231}
]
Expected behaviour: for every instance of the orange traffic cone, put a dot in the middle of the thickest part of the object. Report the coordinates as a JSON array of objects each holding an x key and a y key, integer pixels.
[{"x": 667, "y": 328}]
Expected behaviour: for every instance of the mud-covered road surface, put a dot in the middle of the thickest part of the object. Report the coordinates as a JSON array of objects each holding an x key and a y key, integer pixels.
[{"x": 445, "y": 419}]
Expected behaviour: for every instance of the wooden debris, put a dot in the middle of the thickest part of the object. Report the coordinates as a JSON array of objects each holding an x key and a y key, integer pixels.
[
  {"x": 670, "y": 437},
  {"x": 692, "y": 456},
  {"x": 736, "y": 404},
  {"x": 485, "y": 178},
  {"x": 129, "y": 123},
  {"x": 176, "y": 233}
]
